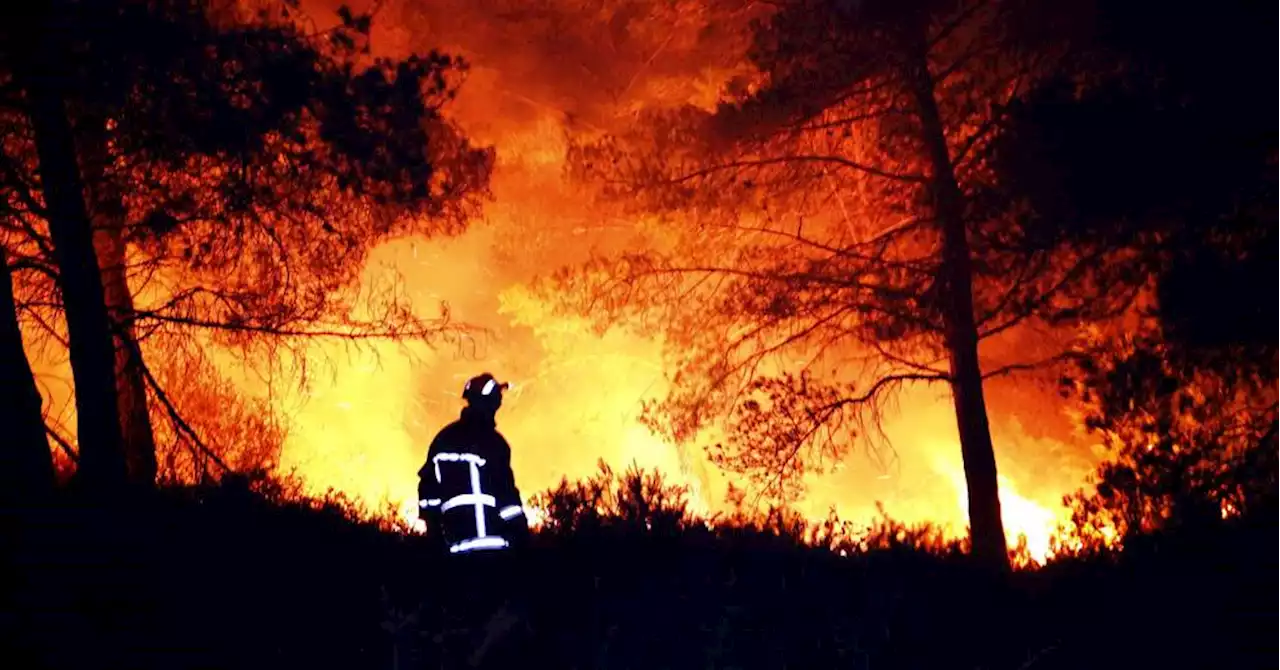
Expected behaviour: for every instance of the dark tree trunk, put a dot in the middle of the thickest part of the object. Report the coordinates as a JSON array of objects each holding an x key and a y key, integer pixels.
[
  {"x": 102, "y": 466},
  {"x": 131, "y": 387},
  {"x": 108, "y": 221},
  {"x": 986, "y": 526},
  {"x": 26, "y": 464}
]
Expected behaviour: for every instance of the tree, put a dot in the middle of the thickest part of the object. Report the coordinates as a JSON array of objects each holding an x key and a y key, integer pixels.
[
  {"x": 842, "y": 211},
  {"x": 248, "y": 165},
  {"x": 1186, "y": 397},
  {"x": 1190, "y": 442},
  {"x": 26, "y": 463},
  {"x": 42, "y": 75}
]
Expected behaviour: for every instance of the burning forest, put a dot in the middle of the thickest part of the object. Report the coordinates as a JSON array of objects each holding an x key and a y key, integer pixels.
[
  {"x": 361, "y": 419},
  {"x": 982, "y": 276},
  {"x": 523, "y": 102}
]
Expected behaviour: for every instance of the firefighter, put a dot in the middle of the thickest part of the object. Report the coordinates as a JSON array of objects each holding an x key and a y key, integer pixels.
[{"x": 468, "y": 498}]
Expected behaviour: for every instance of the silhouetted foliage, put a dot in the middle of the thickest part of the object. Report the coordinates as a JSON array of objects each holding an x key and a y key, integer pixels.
[
  {"x": 837, "y": 229},
  {"x": 634, "y": 500},
  {"x": 1173, "y": 156},
  {"x": 249, "y": 573},
  {"x": 1189, "y": 446},
  {"x": 1185, "y": 395},
  {"x": 240, "y": 167}
]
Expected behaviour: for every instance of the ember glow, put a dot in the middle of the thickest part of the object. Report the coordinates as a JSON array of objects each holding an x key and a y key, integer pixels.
[{"x": 362, "y": 427}]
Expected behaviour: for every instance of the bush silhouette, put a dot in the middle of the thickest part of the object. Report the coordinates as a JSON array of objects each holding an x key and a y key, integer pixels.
[{"x": 249, "y": 573}]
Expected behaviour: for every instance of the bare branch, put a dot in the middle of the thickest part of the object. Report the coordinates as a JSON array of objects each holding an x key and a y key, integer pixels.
[
  {"x": 36, "y": 264},
  {"x": 949, "y": 27},
  {"x": 1027, "y": 367},
  {"x": 176, "y": 416},
  {"x": 353, "y": 333},
  {"x": 848, "y": 120},
  {"x": 47, "y": 327},
  {"x": 62, "y": 443},
  {"x": 924, "y": 368},
  {"x": 23, "y": 189},
  {"x": 887, "y": 381},
  {"x": 839, "y": 161}
]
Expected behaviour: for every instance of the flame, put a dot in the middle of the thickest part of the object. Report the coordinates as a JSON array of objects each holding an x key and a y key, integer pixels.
[
  {"x": 363, "y": 427},
  {"x": 1024, "y": 520}
]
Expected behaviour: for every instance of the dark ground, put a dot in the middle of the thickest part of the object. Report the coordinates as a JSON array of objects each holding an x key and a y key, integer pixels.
[{"x": 223, "y": 578}]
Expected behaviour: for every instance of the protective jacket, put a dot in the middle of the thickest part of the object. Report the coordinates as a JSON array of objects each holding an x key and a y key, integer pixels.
[{"x": 466, "y": 490}]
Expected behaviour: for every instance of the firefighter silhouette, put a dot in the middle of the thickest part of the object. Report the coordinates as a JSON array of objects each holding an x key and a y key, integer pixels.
[{"x": 468, "y": 498}]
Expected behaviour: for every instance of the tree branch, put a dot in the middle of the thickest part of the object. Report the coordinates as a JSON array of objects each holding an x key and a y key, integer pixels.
[
  {"x": 839, "y": 161},
  {"x": 390, "y": 334},
  {"x": 950, "y": 27},
  {"x": 924, "y": 368},
  {"x": 844, "y": 121},
  {"x": 21, "y": 187},
  {"x": 62, "y": 443},
  {"x": 174, "y": 414},
  {"x": 1027, "y": 367},
  {"x": 894, "y": 379}
]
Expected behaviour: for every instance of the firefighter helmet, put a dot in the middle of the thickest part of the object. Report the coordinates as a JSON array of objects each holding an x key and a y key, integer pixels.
[{"x": 483, "y": 388}]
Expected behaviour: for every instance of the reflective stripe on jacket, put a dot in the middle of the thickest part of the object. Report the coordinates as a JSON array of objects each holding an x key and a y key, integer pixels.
[{"x": 466, "y": 490}]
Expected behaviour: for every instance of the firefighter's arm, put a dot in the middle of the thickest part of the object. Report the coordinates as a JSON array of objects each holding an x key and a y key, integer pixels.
[
  {"x": 510, "y": 506},
  {"x": 428, "y": 488}
]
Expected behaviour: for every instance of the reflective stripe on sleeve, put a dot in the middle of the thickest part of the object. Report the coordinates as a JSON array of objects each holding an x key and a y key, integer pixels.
[{"x": 489, "y": 542}]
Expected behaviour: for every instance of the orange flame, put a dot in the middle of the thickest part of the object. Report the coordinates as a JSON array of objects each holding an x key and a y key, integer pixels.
[{"x": 364, "y": 428}]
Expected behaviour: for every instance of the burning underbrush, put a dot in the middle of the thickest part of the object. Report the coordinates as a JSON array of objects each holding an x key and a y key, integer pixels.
[{"x": 251, "y": 573}]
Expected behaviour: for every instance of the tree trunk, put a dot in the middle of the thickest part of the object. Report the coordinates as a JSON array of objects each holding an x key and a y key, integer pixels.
[
  {"x": 107, "y": 217},
  {"x": 131, "y": 387},
  {"x": 26, "y": 464},
  {"x": 986, "y": 526},
  {"x": 102, "y": 466}
]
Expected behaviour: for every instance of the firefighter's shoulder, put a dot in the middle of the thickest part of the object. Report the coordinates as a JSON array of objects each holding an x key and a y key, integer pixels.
[{"x": 447, "y": 434}]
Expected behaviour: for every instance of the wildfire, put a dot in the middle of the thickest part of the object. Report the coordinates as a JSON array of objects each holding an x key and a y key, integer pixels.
[
  {"x": 362, "y": 427},
  {"x": 1024, "y": 520}
]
